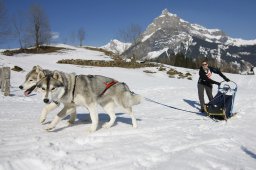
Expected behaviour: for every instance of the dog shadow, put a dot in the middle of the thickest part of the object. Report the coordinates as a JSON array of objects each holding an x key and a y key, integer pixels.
[
  {"x": 103, "y": 117},
  {"x": 84, "y": 118}
]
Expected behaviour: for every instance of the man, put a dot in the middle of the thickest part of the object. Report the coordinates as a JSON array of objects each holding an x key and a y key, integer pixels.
[{"x": 205, "y": 82}]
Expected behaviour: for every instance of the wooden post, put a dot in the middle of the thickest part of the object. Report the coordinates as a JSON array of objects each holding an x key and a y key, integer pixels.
[
  {"x": 0, "y": 77},
  {"x": 7, "y": 87},
  {"x": 6, "y": 75},
  {"x": 2, "y": 80}
]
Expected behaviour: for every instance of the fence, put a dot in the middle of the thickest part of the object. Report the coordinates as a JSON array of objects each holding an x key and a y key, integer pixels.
[{"x": 5, "y": 76}]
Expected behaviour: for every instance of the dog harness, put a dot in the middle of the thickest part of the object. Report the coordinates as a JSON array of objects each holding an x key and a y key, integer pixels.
[
  {"x": 73, "y": 92},
  {"x": 108, "y": 85}
]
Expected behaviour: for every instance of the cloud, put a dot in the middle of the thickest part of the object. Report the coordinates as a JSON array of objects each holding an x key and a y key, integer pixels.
[{"x": 55, "y": 35}]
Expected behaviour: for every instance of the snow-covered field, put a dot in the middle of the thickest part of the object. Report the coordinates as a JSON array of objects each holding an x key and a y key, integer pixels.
[{"x": 165, "y": 139}]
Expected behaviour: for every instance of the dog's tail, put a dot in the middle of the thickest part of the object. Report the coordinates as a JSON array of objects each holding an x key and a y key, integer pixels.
[{"x": 130, "y": 98}]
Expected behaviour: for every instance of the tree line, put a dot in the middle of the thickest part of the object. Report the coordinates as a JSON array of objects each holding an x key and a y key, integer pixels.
[
  {"x": 180, "y": 60},
  {"x": 31, "y": 28}
]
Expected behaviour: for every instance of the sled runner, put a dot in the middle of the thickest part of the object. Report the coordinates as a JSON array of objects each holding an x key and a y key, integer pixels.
[{"x": 221, "y": 106}]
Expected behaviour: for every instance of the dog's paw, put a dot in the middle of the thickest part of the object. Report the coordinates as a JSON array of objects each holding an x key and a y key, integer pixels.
[
  {"x": 49, "y": 128},
  {"x": 42, "y": 120},
  {"x": 92, "y": 129},
  {"x": 70, "y": 123},
  {"x": 135, "y": 126},
  {"x": 106, "y": 125}
]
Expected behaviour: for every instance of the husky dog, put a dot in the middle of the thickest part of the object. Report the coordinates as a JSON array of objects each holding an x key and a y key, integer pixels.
[
  {"x": 30, "y": 85},
  {"x": 87, "y": 91},
  {"x": 31, "y": 80}
]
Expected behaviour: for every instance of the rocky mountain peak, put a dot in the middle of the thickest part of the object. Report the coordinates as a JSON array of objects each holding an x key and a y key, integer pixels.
[
  {"x": 166, "y": 12},
  {"x": 170, "y": 33}
]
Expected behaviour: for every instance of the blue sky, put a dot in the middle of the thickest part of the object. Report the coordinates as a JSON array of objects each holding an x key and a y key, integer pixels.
[{"x": 102, "y": 19}]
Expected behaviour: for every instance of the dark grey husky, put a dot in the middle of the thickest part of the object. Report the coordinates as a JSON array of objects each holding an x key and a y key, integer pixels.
[
  {"x": 30, "y": 84},
  {"x": 88, "y": 91}
]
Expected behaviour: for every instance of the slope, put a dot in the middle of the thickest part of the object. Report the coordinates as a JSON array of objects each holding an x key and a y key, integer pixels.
[{"x": 166, "y": 138}]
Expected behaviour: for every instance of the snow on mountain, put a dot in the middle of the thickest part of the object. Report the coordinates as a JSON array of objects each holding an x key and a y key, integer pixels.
[
  {"x": 116, "y": 46},
  {"x": 168, "y": 31},
  {"x": 166, "y": 138},
  {"x": 240, "y": 42}
]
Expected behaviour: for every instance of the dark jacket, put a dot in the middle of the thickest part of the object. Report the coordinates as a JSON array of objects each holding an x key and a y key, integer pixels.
[{"x": 205, "y": 80}]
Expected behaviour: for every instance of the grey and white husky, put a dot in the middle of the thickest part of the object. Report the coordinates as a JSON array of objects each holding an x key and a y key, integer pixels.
[
  {"x": 30, "y": 84},
  {"x": 87, "y": 91}
]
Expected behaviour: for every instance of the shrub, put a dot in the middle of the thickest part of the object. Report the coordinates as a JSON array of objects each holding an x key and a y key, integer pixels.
[
  {"x": 41, "y": 49},
  {"x": 174, "y": 73},
  {"x": 103, "y": 63},
  {"x": 162, "y": 68},
  {"x": 149, "y": 71},
  {"x": 17, "y": 68}
]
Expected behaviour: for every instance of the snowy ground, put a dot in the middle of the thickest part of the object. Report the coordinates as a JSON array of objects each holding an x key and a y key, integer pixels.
[{"x": 165, "y": 139}]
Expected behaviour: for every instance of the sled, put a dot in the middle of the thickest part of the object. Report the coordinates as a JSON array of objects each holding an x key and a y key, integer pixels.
[{"x": 221, "y": 106}]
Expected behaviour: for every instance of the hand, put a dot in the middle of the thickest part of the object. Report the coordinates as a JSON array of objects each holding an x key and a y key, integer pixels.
[{"x": 218, "y": 83}]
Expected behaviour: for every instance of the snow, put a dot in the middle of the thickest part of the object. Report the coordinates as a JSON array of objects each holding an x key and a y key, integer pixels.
[
  {"x": 154, "y": 54},
  {"x": 199, "y": 27},
  {"x": 116, "y": 46},
  {"x": 244, "y": 53},
  {"x": 165, "y": 139},
  {"x": 166, "y": 12},
  {"x": 205, "y": 34},
  {"x": 181, "y": 20},
  {"x": 240, "y": 42},
  {"x": 147, "y": 37}
]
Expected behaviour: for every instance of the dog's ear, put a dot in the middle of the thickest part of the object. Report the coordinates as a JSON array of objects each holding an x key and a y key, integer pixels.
[
  {"x": 37, "y": 68},
  {"x": 57, "y": 76},
  {"x": 40, "y": 75}
]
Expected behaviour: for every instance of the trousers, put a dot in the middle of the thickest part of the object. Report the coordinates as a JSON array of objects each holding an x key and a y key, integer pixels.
[{"x": 201, "y": 88}]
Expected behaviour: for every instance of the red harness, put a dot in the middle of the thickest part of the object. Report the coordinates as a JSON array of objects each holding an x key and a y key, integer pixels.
[{"x": 108, "y": 85}]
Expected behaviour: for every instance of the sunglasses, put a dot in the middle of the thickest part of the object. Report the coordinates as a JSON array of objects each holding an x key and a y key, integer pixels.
[{"x": 204, "y": 64}]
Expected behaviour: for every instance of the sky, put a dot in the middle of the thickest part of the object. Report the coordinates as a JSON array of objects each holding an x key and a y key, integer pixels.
[{"x": 103, "y": 19}]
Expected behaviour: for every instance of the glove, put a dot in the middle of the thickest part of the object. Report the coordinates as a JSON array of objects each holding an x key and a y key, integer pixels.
[
  {"x": 226, "y": 79},
  {"x": 218, "y": 83}
]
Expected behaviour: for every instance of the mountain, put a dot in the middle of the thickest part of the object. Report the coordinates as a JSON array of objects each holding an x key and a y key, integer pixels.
[
  {"x": 168, "y": 34},
  {"x": 116, "y": 46}
]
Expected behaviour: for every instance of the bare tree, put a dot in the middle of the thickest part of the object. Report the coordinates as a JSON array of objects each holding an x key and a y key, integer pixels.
[
  {"x": 81, "y": 36},
  {"x": 72, "y": 37},
  {"x": 39, "y": 27},
  {"x": 4, "y": 29},
  {"x": 131, "y": 33},
  {"x": 19, "y": 28}
]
